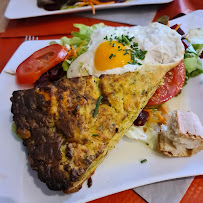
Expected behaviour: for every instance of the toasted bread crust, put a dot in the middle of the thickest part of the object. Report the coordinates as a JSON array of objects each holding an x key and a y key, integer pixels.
[
  {"x": 166, "y": 146},
  {"x": 183, "y": 137}
]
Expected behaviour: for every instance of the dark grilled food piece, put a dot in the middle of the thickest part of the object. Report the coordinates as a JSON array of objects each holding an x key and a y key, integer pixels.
[
  {"x": 50, "y": 76},
  {"x": 65, "y": 140},
  {"x": 51, "y": 5}
]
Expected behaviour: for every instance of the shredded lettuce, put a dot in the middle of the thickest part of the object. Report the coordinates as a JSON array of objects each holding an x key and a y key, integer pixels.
[
  {"x": 83, "y": 36},
  {"x": 78, "y": 38},
  {"x": 193, "y": 64},
  {"x": 198, "y": 48},
  {"x": 195, "y": 36},
  {"x": 163, "y": 20},
  {"x": 66, "y": 64},
  {"x": 85, "y": 31}
]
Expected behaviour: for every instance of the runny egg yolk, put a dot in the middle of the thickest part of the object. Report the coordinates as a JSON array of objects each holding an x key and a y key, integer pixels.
[{"x": 111, "y": 55}]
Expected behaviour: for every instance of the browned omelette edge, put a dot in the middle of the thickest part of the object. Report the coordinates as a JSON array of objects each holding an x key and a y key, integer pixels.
[{"x": 132, "y": 115}]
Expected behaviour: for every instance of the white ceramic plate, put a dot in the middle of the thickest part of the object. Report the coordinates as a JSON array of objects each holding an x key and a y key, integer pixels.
[
  {"x": 28, "y": 8},
  {"x": 120, "y": 170}
]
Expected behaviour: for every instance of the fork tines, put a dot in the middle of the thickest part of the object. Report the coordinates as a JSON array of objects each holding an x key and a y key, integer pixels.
[{"x": 30, "y": 38}]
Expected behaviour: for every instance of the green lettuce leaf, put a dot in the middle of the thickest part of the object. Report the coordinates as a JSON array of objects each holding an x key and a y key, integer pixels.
[
  {"x": 14, "y": 130},
  {"x": 198, "y": 48},
  {"x": 163, "y": 20},
  {"x": 193, "y": 64},
  {"x": 66, "y": 64},
  {"x": 83, "y": 36}
]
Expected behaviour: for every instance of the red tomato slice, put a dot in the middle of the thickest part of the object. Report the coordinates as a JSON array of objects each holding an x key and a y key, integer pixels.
[
  {"x": 173, "y": 83},
  {"x": 30, "y": 70}
]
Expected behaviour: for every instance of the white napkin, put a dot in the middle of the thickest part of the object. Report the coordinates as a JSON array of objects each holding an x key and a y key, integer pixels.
[{"x": 172, "y": 191}]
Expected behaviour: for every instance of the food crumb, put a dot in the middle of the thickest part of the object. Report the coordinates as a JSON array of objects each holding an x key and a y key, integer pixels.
[
  {"x": 89, "y": 182},
  {"x": 143, "y": 161}
]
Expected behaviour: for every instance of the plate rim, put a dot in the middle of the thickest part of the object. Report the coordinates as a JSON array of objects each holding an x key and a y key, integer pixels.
[
  {"x": 119, "y": 188},
  {"x": 11, "y": 15}
]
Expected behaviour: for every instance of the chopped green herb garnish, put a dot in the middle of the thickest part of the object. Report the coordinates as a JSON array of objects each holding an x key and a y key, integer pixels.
[
  {"x": 95, "y": 135},
  {"x": 134, "y": 62},
  {"x": 132, "y": 56},
  {"x": 97, "y": 106},
  {"x": 134, "y": 44},
  {"x": 112, "y": 55},
  {"x": 134, "y": 50},
  {"x": 125, "y": 53},
  {"x": 113, "y": 45},
  {"x": 143, "y": 161},
  {"x": 139, "y": 53},
  {"x": 143, "y": 91},
  {"x": 131, "y": 38},
  {"x": 106, "y": 38},
  {"x": 125, "y": 39}
]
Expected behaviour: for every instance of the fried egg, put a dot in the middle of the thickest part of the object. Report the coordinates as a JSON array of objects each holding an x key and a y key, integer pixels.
[{"x": 109, "y": 54}]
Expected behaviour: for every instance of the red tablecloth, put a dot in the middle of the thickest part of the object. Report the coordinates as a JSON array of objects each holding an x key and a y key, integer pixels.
[{"x": 52, "y": 27}]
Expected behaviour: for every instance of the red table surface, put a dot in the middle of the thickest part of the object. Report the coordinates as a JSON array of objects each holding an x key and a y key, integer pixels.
[{"x": 52, "y": 27}]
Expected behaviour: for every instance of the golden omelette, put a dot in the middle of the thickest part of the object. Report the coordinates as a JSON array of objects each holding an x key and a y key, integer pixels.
[{"x": 70, "y": 126}]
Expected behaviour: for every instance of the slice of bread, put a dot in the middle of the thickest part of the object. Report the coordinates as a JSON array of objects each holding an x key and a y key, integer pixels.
[{"x": 183, "y": 135}]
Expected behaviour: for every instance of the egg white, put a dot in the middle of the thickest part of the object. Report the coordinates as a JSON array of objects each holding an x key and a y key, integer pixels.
[{"x": 163, "y": 46}]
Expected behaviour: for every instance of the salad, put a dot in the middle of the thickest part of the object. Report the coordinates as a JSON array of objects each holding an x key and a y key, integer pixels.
[
  {"x": 53, "y": 62},
  {"x": 51, "y": 5}
]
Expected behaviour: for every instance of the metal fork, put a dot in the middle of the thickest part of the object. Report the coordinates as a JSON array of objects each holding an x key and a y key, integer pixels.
[{"x": 30, "y": 38}]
